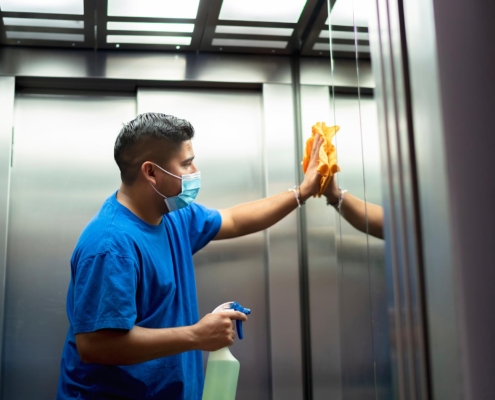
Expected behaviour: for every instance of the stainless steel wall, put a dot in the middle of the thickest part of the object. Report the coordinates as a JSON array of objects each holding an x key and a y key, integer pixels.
[
  {"x": 63, "y": 170},
  {"x": 229, "y": 153},
  {"x": 244, "y": 157},
  {"x": 7, "y": 90},
  {"x": 346, "y": 267},
  {"x": 246, "y": 140}
]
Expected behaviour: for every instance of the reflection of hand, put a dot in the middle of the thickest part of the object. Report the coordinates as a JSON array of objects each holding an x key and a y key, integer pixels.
[
  {"x": 311, "y": 184},
  {"x": 216, "y": 331},
  {"x": 332, "y": 191}
]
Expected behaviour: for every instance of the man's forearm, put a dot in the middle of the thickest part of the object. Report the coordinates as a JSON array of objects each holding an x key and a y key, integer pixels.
[
  {"x": 258, "y": 215},
  {"x": 115, "y": 347},
  {"x": 355, "y": 212}
]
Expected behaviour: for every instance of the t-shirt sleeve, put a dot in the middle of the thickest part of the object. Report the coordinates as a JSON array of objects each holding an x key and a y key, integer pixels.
[
  {"x": 104, "y": 293},
  {"x": 204, "y": 226}
]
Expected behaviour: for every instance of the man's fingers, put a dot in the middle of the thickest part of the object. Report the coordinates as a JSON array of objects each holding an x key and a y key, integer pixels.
[
  {"x": 234, "y": 315},
  {"x": 318, "y": 141}
]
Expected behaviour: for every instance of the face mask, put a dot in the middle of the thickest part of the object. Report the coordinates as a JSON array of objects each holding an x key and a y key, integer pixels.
[{"x": 190, "y": 188}]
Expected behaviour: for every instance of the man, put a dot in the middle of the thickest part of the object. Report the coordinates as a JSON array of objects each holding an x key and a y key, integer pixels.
[{"x": 134, "y": 328}]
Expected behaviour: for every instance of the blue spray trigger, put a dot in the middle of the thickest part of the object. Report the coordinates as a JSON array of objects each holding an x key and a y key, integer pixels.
[{"x": 238, "y": 323}]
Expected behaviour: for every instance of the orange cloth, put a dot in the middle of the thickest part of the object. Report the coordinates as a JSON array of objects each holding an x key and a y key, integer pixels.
[{"x": 327, "y": 163}]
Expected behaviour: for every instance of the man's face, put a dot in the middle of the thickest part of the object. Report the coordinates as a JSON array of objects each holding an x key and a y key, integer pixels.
[{"x": 180, "y": 164}]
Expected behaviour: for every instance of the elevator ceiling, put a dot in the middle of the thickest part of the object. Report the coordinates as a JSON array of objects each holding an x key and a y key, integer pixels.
[{"x": 281, "y": 27}]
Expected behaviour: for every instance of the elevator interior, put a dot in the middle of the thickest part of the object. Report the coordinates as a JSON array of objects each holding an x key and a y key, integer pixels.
[{"x": 252, "y": 77}]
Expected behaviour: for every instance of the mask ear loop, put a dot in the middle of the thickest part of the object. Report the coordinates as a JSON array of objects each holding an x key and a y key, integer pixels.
[{"x": 165, "y": 197}]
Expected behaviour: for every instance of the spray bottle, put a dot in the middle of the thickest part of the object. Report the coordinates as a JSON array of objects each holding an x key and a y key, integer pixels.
[{"x": 222, "y": 369}]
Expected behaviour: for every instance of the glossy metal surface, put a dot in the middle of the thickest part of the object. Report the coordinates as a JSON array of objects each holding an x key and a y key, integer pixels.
[
  {"x": 180, "y": 67},
  {"x": 405, "y": 263},
  {"x": 63, "y": 170},
  {"x": 229, "y": 152},
  {"x": 283, "y": 249},
  {"x": 7, "y": 87},
  {"x": 324, "y": 290},
  {"x": 316, "y": 71},
  {"x": 353, "y": 260}
]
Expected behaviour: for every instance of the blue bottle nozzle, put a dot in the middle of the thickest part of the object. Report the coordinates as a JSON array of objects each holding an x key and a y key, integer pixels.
[{"x": 238, "y": 323}]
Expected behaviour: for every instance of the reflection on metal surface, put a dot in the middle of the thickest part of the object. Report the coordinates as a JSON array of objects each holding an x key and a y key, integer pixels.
[
  {"x": 404, "y": 264},
  {"x": 63, "y": 171},
  {"x": 353, "y": 260},
  {"x": 223, "y": 68},
  {"x": 228, "y": 150},
  {"x": 316, "y": 71},
  {"x": 283, "y": 273},
  {"x": 7, "y": 88},
  {"x": 322, "y": 267}
]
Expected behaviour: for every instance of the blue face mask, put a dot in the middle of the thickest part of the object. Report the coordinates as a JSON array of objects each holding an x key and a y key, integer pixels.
[{"x": 191, "y": 183}]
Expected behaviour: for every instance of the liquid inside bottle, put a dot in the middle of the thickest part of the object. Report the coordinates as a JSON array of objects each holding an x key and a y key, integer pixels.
[{"x": 222, "y": 374}]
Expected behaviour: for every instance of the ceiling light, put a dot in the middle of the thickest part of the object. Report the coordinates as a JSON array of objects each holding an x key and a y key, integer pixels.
[
  {"x": 253, "y": 30},
  {"x": 344, "y": 35},
  {"x": 45, "y": 36},
  {"x": 177, "y": 47},
  {"x": 343, "y": 13},
  {"x": 153, "y": 9},
  {"x": 149, "y": 26},
  {"x": 49, "y": 23},
  {"x": 249, "y": 43},
  {"x": 48, "y": 7},
  {"x": 262, "y": 10},
  {"x": 181, "y": 40}
]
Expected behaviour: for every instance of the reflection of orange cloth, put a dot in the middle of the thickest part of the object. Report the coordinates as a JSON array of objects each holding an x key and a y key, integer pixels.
[{"x": 327, "y": 163}]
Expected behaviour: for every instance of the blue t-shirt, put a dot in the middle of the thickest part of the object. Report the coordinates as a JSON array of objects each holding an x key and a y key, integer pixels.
[{"x": 126, "y": 272}]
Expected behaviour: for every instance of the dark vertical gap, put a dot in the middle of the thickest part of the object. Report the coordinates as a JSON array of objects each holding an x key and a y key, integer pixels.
[
  {"x": 302, "y": 239},
  {"x": 415, "y": 193}
]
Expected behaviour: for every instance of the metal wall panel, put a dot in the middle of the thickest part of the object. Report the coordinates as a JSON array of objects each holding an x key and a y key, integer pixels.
[
  {"x": 229, "y": 152},
  {"x": 283, "y": 256},
  {"x": 180, "y": 67},
  {"x": 7, "y": 88},
  {"x": 316, "y": 71},
  {"x": 353, "y": 260},
  {"x": 323, "y": 274},
  {"x": 63, "y": 170}
]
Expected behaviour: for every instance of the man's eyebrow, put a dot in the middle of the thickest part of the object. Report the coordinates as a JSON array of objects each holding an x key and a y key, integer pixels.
[{"x": 188, "y": 160}]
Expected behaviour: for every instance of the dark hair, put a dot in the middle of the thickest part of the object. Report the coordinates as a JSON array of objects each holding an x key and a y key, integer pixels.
[{"x": 149, "y": 137}]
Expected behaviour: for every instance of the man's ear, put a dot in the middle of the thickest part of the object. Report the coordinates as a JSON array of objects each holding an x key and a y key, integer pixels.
[{"x": 148, "y": 170}]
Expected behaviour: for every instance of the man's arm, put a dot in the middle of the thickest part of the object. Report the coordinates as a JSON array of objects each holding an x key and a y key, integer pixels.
[
  {"x": 261, "y": 214},
  {"x": 355, "y": 210},
  {"x": 126, "y": 347}
]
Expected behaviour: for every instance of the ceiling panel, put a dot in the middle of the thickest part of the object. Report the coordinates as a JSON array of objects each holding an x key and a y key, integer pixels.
[
  {"x": 253, "y": 27},
  {"x": 257, "y": 26},
  {"x": 345, "y": 36},
  {"x": 184, "y": 9},
  {"x": 46, "y": 7},
  {"x": 40, "y": 22},
  {"x": 262, "y": 10},
  {"x": 54, "y": 23}
]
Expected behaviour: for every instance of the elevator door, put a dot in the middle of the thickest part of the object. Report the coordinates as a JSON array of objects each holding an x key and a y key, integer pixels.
[
  {"x": 228, "y": 146},
  {"x": 63, "y": 170}
]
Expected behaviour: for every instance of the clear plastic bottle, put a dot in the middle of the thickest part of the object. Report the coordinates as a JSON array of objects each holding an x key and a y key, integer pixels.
[{"x": 222, "y": 369}]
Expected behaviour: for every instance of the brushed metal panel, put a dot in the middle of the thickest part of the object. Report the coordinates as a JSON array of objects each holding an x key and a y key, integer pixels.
[
  {"x": 7, "y": 93},
  {"x": 353, "y": 260},
  {"x": 227, "y": 68},
  {"x": 228, "y": 149},
  {"x": 376, "y": 251},
  {"x": 283, "y": 256},
  {"x": 63, "y": 170},
  {"x": 324, "y": 288},
  {"x": 316, "y": 71}
]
